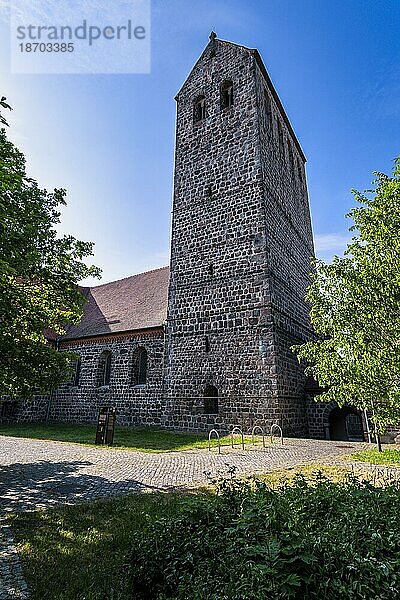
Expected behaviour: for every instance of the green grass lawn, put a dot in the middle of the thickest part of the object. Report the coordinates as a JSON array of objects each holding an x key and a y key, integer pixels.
[
  {"x": 135, "y": 438},
  {"x": 386, "y": 457},
  {"x": 80, "y": 552}
]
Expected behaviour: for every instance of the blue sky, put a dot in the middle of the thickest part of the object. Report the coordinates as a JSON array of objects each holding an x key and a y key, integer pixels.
[{"x": 109, "y": 139}]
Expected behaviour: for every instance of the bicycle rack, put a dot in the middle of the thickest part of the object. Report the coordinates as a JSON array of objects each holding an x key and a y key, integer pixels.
[
  {"x": 253, "y": 432},
  {"x": 209, "y": 440},
  {"x": 275, "y": 426},
  {"x": 238, "y": 430}
]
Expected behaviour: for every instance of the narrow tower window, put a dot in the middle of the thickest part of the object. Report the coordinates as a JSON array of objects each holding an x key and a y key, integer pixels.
[
  {"x": 290, "y": 154},
  {"x": 211, "y": 400},
  {"x": 267, "y": 107},
  {"x": 211, "y": 269},
  {"x": 208, "y": 191},
  {"x": 300, "y": 173},
  {"x": 280, "y": 136},
  {"x": 199, "y": 109},
  {"x": 206, "y": 344},
  {"x": 226, "y": 91},
  {"x": 139, "y": 367}
]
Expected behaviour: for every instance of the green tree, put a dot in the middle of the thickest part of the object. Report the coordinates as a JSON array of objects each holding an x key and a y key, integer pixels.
[
  {"x": 355, "y": 310},
  {"x": 39, "y": 275},
  {"x": 3, "y": 104}
]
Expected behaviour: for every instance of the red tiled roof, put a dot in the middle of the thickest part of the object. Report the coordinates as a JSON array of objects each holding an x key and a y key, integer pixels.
[
  {"x": 136, "y": 302},
  {"x": 50, "y": 335}
]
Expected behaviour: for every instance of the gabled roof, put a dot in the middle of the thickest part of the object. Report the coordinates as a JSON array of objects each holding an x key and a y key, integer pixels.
[
  {"x": 214, "y": 41},
  {"x": 137, "y": 302}
]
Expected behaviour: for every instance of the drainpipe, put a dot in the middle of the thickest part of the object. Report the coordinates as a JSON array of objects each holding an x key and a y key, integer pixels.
[{"x": 377, "y": 436}]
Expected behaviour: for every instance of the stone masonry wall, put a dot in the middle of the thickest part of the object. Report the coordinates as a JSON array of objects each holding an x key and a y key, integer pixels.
[
  {"x": 136, "y": 405},
  {"x": 23, "y": 411},
  {"x": 289, "y": 243},
  {"x": 241, "y": 239}
]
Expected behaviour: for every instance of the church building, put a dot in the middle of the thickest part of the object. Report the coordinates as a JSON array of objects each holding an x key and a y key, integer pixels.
[{"x": 206, "y": 341}]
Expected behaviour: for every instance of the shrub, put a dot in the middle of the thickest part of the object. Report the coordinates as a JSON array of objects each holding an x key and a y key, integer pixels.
[{"x": 318, "y": 539}]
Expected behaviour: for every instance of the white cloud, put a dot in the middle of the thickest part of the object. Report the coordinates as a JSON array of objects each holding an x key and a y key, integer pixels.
[
  {"x": 331, "y": 243},
  {"x": 126, "y": 267}
]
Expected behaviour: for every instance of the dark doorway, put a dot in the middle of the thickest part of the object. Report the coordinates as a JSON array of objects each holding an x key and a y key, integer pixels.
[{"x": 345, "y": 425}]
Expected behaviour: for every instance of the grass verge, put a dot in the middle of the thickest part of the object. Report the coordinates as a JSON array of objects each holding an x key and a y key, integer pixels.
[
  {"x": 386, "y": 457},
  {"x": 139, "y": 439}
]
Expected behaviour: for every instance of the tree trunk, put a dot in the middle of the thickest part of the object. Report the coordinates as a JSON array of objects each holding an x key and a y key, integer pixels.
[{"x": 377, "y": 436}]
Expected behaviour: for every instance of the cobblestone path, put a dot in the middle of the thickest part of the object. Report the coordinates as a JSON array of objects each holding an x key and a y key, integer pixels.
[{"x": 37, "y": 474}]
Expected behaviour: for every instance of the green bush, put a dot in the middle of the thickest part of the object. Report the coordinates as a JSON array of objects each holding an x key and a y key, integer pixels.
[{"x": 297, "y": 540}]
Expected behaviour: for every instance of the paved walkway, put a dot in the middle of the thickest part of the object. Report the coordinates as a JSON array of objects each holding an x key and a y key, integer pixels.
[{"x": 37, "y": 474}]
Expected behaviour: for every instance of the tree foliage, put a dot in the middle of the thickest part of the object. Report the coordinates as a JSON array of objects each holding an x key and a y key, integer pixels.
[
  {"x": 39, "y": 273},
  {"x": 3, "y": 104},
  {"x": 355, "y": 309}
]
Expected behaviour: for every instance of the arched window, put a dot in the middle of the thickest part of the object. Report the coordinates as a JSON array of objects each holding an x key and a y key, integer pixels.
[
  {"x": 104, "y": 369},
  {"x": 199, "y": 109},
  {"x": 211, "y": 400},
  {"x": 139, "y": 367},
  {"x": 75, "y": 365},
  {"x": 226, "y": 94},
  {"x": 76, "y": 371}
]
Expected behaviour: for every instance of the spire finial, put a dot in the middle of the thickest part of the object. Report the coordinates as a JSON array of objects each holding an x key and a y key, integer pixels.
[{"x": 213, "y": 36}]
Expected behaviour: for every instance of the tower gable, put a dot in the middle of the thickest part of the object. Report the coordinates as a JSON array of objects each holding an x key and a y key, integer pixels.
[{"x": 216, "y": 45}]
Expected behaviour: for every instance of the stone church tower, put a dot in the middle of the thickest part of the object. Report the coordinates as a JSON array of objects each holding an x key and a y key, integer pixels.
[
  {"x": 240, "y": 251},
  {"x": 206, "y": 342}
]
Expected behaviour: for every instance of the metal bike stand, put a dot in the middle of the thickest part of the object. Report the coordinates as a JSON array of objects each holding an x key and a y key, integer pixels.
[
  {"x": 238, "y": 430},
  {"x": 209, "y": 440},
  {"x": 253, "y": 431},
  {"x": 275, "y": 426}
]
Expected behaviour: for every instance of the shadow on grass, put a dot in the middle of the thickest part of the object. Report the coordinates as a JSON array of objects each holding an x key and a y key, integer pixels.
[
  {"x": 79, "y": 551},
  {"x": 83, "y": 552}
]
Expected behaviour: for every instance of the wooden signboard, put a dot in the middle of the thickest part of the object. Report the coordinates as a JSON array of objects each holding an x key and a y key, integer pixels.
[
  {"x": 105, "y": 426},
  {"x": 109, "y": 436}
]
